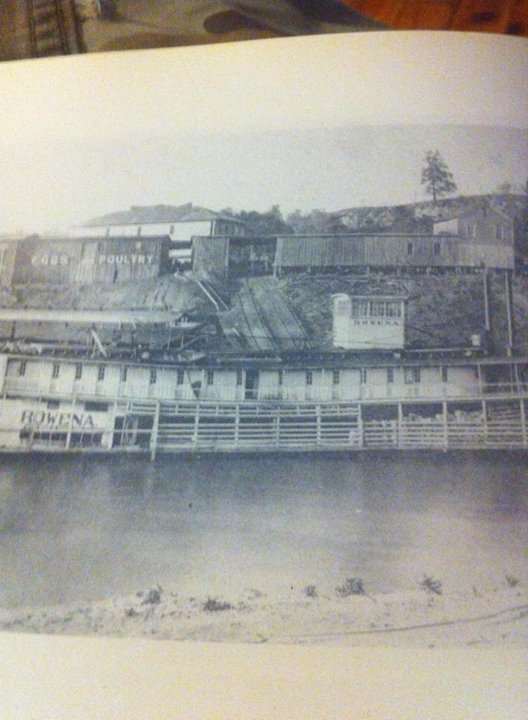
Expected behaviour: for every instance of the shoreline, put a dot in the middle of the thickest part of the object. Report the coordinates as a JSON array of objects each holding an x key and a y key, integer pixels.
[{"x": 400, "y": 619}]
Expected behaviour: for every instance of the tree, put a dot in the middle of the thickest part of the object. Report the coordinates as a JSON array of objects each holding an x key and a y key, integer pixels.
[
  {"x": 267, "y": 223},
  {"x": 317, "y": 222},
  {"x": 436, "y": 176}
]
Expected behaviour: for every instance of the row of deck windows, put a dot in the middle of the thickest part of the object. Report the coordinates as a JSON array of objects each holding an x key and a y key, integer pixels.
[
  {"x": 411, "y": 375},
  {"x": 375, "y": 308}
]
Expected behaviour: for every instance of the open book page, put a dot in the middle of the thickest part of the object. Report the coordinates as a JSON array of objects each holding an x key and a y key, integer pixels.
[{"x": 263, "y": 356}]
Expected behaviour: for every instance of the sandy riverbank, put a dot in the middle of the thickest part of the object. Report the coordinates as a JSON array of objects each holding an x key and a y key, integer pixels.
[{"x": 413, "y": 619}]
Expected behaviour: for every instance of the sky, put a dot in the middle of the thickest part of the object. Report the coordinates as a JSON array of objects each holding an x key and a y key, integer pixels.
[
  {"x": 331, "y": 122},
  {"x": 48, "y": 188}
]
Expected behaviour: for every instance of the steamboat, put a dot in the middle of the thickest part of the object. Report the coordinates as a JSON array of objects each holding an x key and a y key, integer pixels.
[
  {"x": 249, "y": 374},
  {"x": 368, "y": 393}
]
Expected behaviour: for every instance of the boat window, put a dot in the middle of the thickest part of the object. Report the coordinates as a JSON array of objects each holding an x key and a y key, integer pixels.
[
  {"x": 393, "y": 309},
  {"x": 377, "y": 308},
  {"x": 412, "y": 375},
  {"x": 95, "y": 407},
  {"x": 359, "y": 308}
]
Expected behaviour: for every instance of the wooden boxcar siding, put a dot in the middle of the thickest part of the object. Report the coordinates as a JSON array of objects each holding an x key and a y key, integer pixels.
[
  {"x": 7, "y": 263},
  {"x": 250, "y": 254},
  {"x": 210, "y": 255},
  {"x": 40, "y": 261},
  {"x": 395, "y": 251},
  {"x": 105, "y": 260},
  {"x": 320, "y": 251},
  {"x": 388, "y": 251},
  {"x": 493, "y": 255},
  {"x": 3, "y": 372},
  {"x": 122, "y": 259}
]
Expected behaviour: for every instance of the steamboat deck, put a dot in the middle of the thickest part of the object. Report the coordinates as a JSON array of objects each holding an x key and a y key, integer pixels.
[{"x": 155, "y": 426}]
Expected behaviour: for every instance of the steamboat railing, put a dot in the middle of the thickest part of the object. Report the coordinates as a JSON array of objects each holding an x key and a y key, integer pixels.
[
  {"x": 493, "y": 418},
  {"x": 153, "y": 426}
]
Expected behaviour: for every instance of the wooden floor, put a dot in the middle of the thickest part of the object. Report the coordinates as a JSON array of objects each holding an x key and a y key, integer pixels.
[{"x": 495, "y": 16}]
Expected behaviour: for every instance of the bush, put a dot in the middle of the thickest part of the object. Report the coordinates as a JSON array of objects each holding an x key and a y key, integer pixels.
[
  {"x": 153, "y": 597},
  {"x": 214, "y": 605},
  {"x": 430, "y": 585},
  {"x": 351, "y": 586},
  {"x": 310, "y": 591},
  {"x": 512, "y": 580}
]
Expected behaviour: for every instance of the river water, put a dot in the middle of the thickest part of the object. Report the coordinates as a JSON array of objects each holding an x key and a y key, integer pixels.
[{"x": 78, "y": 528}]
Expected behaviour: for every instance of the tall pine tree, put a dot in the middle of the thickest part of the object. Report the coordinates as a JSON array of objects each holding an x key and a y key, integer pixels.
[{"x": 436, "y": 177}]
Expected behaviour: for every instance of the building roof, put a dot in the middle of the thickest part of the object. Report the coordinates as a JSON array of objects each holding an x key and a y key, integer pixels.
[
  {"x": 484, "y": 208},
  {"x": 144, "y": 214}
]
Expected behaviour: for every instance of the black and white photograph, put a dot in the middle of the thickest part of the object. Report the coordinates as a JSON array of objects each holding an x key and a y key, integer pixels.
[{"x": 263, "y": 358}]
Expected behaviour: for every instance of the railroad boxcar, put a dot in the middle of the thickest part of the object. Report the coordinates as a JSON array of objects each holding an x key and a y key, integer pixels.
[
  {"x": 60, "y": 261},
  {"x": 120, "y": 259},
  {"x": 45, "y": 261},
  {"x": 234, "y": 256},
  {"x": 210, "y": 255},
  {"x": 388, "y": 251},
  {"x": 7, "y": 262}
]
